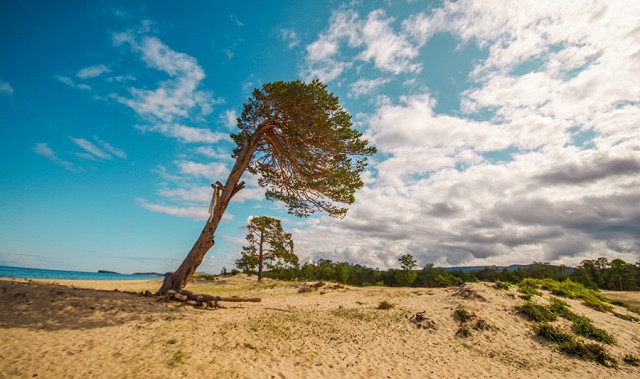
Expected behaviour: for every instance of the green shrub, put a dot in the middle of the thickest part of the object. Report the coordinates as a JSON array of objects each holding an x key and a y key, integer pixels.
[
  {"x": 527, "y": 290},
  {"x": 597, "y": 304},
  {"x": 536, "y": 312},
  {"x": 631, "y": 360},
  {"x": 384, "y": 305},
  {"x": 502, "y": 285},
  {"x": 463, "y": 315},
  {"x": 625, "y": 317},
  {"x": 551, "y": 333},
  {"x": 464, "y": 332},
  {"x": 560, "y": 308},
  {"x": 583, "y": 326},
  {"x": 589, "y": 351}
]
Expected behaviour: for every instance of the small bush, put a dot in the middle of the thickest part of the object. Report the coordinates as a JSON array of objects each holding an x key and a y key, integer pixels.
[
  {"x": 589, "y": 351},
  {"x": 631, "y": 360},
  {"x": 464, "y": 332},
  {"x": 463, "y": 315},
  {"x": 384, "y": 305},
  {"x": 536, "y": 312},
  {"x": 561, "y": 308},
  {"x": 503, "y": 285},
  {"x": 597, "y": 304},
  {"x": 583, "y": 326},
  {"x": 552, "y": 334},
  {"x": 625, "y": 317},
  {"x": 527, "y": 290}
]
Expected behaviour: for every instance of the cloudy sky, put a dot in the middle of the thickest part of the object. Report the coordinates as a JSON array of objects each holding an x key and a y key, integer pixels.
[{"x": 508, "y": 132}]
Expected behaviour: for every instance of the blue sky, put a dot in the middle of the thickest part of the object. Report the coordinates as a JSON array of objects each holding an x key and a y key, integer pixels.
[{"x": 506, "y": 133}]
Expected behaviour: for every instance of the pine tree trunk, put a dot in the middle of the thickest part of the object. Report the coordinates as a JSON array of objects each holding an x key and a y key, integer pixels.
[
  {"x": 179, "y": 278},
  {"x": 260, "y": 257}
]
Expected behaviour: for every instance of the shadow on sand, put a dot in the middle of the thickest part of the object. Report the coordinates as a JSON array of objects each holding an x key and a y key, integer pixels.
[{"x": 43, "y": 306}]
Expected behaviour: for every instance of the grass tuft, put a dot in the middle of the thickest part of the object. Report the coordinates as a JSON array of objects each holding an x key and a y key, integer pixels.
[
  {"x": 463, "y": 315},
  {"x": 551, "y": 333},
  {"x": 583, "y": 327},
  {"x": 536, "y": 312},
  {"x": 631, "y": 360},
  {"x": 385, "y": 305}
]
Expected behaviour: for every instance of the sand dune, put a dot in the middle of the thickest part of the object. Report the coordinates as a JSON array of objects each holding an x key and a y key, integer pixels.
[{"x": 88, "y": 330}]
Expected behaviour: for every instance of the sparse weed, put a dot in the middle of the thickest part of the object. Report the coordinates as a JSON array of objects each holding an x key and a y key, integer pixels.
[
  {"x": 561, "y": 308},
  {"x": 353, "y": 314},
  {"x": 589, "y": 351},
  {"x": 179, "y": 357},
  {"x": 583, "y": 326},
  {"x": 464, "y": 332},
  {"x": 551, "y": 333},
  {"x": 536, "y": 312},
  {"x": 631, "y": 360},
  {"x": 597, "y": 304},
  {"x": 172, "y": 341},
  {"x": 463, "y": 315},
  {"x": 625, "y": 317},
  {"x": 527, "y": 290},
  {"x": 385, "y": 305}
]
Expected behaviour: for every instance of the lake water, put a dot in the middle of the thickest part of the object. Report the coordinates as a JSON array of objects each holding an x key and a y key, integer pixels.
[{"x": 35, "y": 273}]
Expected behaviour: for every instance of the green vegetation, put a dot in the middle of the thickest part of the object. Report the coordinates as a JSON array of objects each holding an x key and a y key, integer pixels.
[
  {"x": 551, "y": 333},
  {"x": 463, "y": 315},
  {"x": 269, "y": 247},
  {"x": 502, "y": 285},
  {"x": 384, "y": 305},
  {"x": 464, "y": 332},
  {"x": 178, "y": 357},
  {"x": 631, "y": 360},
  {"x": 537, "y": 312},
  {"x": 570, "y": 345},
  {"x": 583, "y": 327},
  {"x": 588, "y": 351}
]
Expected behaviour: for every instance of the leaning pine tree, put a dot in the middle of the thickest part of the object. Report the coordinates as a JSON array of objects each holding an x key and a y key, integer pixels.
[{"x": 300, "y": 143}]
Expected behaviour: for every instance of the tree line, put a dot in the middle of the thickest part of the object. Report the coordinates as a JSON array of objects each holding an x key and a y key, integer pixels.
[{"x": 596, "y": 274}]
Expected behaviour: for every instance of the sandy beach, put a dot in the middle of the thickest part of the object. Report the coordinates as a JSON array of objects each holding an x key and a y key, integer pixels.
[{"x": 79, "y": 329}]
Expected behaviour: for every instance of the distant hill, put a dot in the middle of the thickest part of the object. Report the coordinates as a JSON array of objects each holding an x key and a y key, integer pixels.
[{"x": 510, "y": 268}]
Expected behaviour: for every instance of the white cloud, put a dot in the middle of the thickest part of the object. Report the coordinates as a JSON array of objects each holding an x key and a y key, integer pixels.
[
  {"x": 66, "y": 80},
  {"x": 212, "y": 171},
  {"x": 552, "y": 71},
  {"x": 111, "y": 149},
  {"x": 290, "y": 37},
  {"x": 90, "y": 148},
  {"x": 193, "y": 212},
  {"x": 5, "y": 88},
  {"x": 235, "y": 19},
  {"x": 367, "y": 86},
  {"x": 185, "y": 134},
  {"x": 372, "y": 39},
  {"x": 44, "y": 150},
  {"x": 92, "y": 71},
  {"x": 229, "y": 118},
  {"x": 174, "y": 99}
]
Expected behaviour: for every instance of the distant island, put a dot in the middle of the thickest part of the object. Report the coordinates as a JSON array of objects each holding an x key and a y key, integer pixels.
[
  {"x": 107, "y": 272},
  {"x": 148, "y": 273}
]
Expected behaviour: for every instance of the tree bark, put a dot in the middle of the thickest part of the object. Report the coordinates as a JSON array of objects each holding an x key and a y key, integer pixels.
[
  {"x": 205, "y": 241},
  {"x": 260, "y": 257}
]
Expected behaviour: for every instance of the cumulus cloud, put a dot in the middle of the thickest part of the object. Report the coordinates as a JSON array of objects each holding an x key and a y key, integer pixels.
[
  {"x": 176, "y": 98},
  {"x": 229, "y": 118},
  {"x": 68, "y": 81},
  {"x": 551, "y": 72},
  {"x": 367, "y": 86}
]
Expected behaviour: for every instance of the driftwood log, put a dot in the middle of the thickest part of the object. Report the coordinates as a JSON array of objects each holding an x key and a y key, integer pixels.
[{"x": 205, "y": 301}]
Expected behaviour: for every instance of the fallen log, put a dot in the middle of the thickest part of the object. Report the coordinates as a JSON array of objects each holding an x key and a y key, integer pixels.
[{"x": 205, "y": 301}]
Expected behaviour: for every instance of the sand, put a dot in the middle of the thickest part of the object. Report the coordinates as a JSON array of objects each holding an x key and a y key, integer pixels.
[{"x": 79, "y": 329}]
